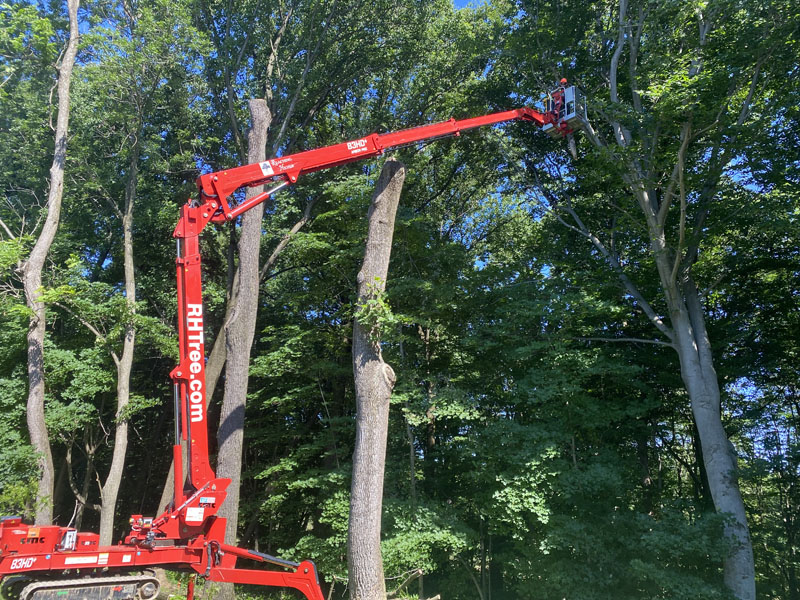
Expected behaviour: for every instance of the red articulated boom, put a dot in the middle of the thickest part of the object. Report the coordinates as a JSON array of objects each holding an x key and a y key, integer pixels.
[{"x": 60, "y": 563}]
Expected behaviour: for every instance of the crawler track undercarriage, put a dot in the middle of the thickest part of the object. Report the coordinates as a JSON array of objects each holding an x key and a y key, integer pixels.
[{"x": 144, "y": 586}]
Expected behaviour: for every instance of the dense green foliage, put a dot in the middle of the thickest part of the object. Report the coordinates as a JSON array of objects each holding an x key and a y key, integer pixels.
[{"x": 528, "y": 456}]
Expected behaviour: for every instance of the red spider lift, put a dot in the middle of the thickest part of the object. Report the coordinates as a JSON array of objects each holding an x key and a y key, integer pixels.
[{"x": 60, "y": 563}]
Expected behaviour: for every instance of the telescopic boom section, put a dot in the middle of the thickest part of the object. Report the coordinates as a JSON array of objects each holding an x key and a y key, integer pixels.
[{"x": 219, "y": 186}]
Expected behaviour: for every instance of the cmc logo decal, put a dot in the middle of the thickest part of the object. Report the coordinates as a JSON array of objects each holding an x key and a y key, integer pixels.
[
  {"x": 23, "y": 563},
  {"x": 266, "y": 169}
]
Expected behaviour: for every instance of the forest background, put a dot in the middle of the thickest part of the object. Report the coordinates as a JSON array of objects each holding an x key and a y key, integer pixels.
[{"x": 559, "y": 326}]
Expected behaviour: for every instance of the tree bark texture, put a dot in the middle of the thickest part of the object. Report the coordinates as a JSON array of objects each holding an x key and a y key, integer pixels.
[
  {"x": 32, "y": 281},
  {"x": 239, "y": 332},
  {"x": 124, "y": 363},
  {"x": 374, "y": 381},
  {"x": 693, "y": 346},
  {"x": 719, "y": 457}
]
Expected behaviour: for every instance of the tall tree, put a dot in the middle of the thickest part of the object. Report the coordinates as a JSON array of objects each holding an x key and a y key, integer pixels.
[
  {"x": 152, "y": 47},
  {"x": 675, "y": 103},
  {"x": 32, "y": 278},
  {"x": 282, "y": 80},
  {"x": 240, "y": 328},
  {"x": 374, "y": 381}
]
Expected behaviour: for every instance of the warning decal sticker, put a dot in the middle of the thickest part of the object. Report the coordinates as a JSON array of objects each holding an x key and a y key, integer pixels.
[
  {"x": 80, "y": 560},
  {"x": 194, "y": 514}
]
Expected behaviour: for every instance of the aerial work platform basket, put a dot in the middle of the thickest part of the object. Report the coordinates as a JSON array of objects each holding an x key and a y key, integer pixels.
[{"x": 568, "y": 103}]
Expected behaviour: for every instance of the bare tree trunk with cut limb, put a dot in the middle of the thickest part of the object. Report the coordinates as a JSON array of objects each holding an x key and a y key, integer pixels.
[
  {"x": 374, "y": 382},
  {"x": 240, "y": 329},
  {"x": 32, "y": 281}
]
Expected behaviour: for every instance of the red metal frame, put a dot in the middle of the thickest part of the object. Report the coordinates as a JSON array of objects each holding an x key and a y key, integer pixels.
[
  {"x": 216, "y": 188},
  {"x": 190, "y": 535},
  {"x": 31, "y": 550}
]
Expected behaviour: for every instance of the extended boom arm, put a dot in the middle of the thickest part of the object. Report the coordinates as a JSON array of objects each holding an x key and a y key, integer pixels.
[
  {"x": 43, "y": 563},
  {"x": 214, "y": 205},
  {"x": 289, "y": 168}
]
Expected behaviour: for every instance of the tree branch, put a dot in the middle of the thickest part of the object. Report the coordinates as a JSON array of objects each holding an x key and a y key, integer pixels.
[
  {"x": 625, "y": 339},
  {"x": 682, "y": 220},
  {"x": 78, "y": 496},
  {"x": 415, "y": 574},
  {"x": 270, "y": 262},
  {"x": 612, "y": 74},
  {"x": 677, "y": 173},
  {"x": 113, "y": 205},
  {"x": 91, "y": 328},
  {"x": 274, "y": 45},
  {"x": 634, "y": 57},
  {"x": 612, "y": 261},
  {"x": 682, "y": 461},
  {"x": 623, "y": 8},
  {"x": 7, "y": 230},
  {"x": 744, "y": 111},
  {"x": 310, "y": 59},
  {"x": 68, "y": 459},
  {"x": 704, "y": 25},
  {"x": 472, "y": 575},
  {"x": 240, "y": 143}
]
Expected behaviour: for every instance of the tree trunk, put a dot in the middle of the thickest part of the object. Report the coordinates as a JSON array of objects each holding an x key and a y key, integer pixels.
[
  {"x": 699, "y": 376},
  {"x": 691, "y": 341},
  {"x": 719, "y": 457},
  {"x": 32, "y": 281},
  {"x": 239, "y": 332},
  {"x": 110, "y": 489},
  {"x": 686, "y": 329},
  {"x": 374, "y": 381},
  {"x": 687, "y": 333},
  {"x": 87, "y": 480}
]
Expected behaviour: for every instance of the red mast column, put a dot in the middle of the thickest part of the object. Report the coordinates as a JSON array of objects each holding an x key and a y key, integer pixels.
[{"x": 189, "y": 377}]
